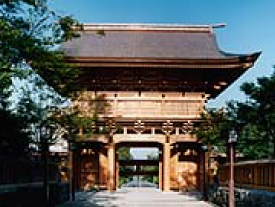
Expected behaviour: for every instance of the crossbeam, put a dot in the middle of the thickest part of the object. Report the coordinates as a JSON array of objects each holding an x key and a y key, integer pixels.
[
  {"x": 132, "y": 173},
  {"x": 138, "y": 162}
]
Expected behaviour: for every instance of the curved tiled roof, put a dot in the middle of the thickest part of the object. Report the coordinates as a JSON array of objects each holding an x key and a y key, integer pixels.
[{"x": 144, "y": 41}]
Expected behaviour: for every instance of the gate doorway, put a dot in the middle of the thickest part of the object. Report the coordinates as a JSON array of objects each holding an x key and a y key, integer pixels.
[{"x": 140, "y": 169}]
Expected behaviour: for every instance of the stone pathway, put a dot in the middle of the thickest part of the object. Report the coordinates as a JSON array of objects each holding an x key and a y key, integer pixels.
[{"x": 136, "y": 197}]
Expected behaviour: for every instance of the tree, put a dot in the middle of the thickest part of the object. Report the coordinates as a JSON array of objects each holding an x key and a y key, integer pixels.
[
  {"x": 30, "y": 33},
  {"x": 151, "y": 178},
  {"x": 124, "y": 154},
  {"x": 258, "y": 112},
  {"x": 254, "y": 120},
  {"x": 214, "y": 128},
  {"x": 15, "y": 139}
]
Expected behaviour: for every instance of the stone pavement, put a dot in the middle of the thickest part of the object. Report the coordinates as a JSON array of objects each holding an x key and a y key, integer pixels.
[{"x": 136, "y": 197}]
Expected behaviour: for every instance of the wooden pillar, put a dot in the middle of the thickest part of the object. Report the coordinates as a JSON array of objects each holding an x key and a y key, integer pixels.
[
  {"x": 71, "y": 172},
  {"x": 166, "y": 166},
  {"x": 111, "y": 167},
  {"x": 160, "y": 168},
  {"x": 77, "y": 160},
  {"x": 204, "y": 187},
  {"x": 103, "y": 171},
  {"x": 117, "y": 172},
  {"x": 174, "y": 168}
]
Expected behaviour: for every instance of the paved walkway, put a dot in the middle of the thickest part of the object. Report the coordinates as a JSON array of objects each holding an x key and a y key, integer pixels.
[{"x": 136, "y": 197}]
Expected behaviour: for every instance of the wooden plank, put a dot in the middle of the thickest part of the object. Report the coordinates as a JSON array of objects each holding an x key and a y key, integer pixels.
[{"x": 252, "y": 174}]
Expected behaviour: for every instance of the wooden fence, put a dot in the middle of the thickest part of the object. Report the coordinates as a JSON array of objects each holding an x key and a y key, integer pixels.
[
  {"x": 259, "y": 174},
  {"x": 18, "y": 171}
]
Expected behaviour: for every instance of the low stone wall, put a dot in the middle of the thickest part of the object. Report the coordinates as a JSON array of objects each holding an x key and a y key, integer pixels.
[
  {"x": 243, "y": 197},
  {"x": 31, "y": 195}
]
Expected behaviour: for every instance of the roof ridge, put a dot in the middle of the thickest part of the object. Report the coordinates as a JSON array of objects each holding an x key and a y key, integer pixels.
[{"x": 148, "y": 27}]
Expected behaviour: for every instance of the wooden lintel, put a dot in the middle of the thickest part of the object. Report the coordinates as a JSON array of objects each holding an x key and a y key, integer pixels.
[
  {"x": 147, "y": 138},
  {"x": 101, "y": 138}
]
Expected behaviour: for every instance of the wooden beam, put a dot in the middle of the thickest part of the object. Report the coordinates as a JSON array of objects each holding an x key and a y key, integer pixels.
[
  {"x": 139, "y": 162},
  {"x": 132, "y": 173}
]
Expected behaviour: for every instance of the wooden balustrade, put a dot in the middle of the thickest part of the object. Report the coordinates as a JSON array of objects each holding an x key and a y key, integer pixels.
[{"x": 258, "y": 174}]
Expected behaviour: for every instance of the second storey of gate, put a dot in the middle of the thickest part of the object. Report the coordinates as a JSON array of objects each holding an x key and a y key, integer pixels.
[
  {"x": 154, "y": 106},
  {"x": 151, "y": 72}
]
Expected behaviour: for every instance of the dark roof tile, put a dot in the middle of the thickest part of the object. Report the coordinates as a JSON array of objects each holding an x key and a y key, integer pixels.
[{"x": 162, "y": 44}]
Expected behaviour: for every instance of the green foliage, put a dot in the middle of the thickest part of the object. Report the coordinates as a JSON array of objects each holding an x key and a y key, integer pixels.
[
  {"x": 252, "y": 144},
  {"x": 32, "y": 32},
  {"x": 151, "y": 178},
  {"x": 253, "y": 119},
  {"x": 124, "y": 154},
  {"x": 29, "y": 36},
  {"x": 259, "y": 112},
  {"x": 73, "y": 122},
  {"x": 214, "y": 128},
  {"x": 251, "y": 141}
]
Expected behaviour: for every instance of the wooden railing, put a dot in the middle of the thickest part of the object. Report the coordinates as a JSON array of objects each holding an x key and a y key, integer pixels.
[{"x": 258, "y": 174}]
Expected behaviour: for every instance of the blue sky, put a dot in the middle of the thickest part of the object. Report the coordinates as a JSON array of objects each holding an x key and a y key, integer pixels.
[{"x": 250, "y": 25}]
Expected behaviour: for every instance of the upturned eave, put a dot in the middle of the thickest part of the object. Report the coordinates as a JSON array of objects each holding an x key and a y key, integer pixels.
[{"x": 241, "y": 62}]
